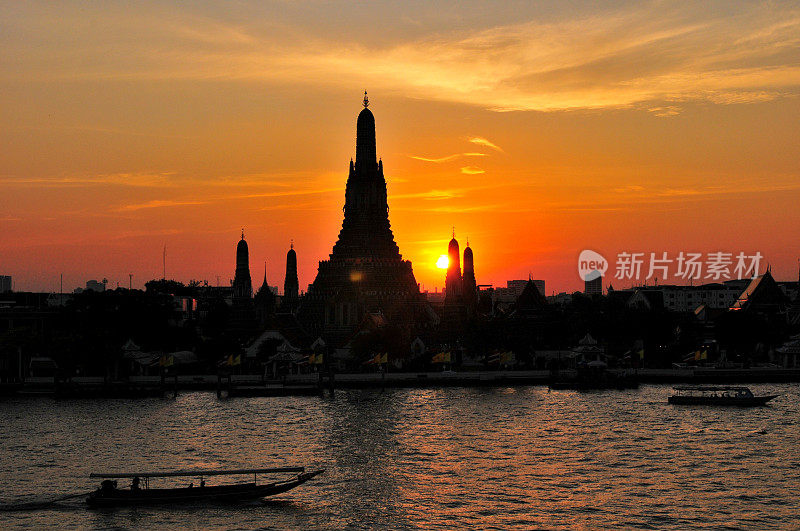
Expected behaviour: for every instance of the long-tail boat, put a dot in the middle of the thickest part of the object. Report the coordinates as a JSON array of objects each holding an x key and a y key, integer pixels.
[
  {"x": 141, "y": 493},
  {"x": 709, "y": 395}
]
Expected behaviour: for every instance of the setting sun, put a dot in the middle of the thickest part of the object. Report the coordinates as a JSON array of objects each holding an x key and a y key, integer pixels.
[{"x": 442, "y": 262}]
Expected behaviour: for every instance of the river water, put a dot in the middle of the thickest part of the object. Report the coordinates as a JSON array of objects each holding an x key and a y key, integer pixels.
[{"x": 422, "y": 458}]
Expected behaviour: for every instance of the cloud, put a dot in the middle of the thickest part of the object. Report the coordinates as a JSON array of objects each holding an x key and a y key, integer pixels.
[
  {"x": 158, "y": 203},
  {"x": 472, "y": 170},
  {"x": 640, "y": 197},
  {"x": 155, "y": 180},
  {"x": 432, "y": 195},
  {"x": 648, "y": 52},
  {"x": 440, "y": 159},
  {"x": 483, "y": 142},
  {"x": 669, "y": 110},
  {"x": 447, "y": 158}
]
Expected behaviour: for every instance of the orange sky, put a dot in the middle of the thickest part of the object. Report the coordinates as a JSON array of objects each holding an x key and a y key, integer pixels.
[{"x": 537, "y": 131}]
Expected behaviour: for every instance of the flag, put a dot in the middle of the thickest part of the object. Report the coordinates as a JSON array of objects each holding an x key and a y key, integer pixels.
[
  {"x": 166, "y": 361},
  {"x": 442, "y": 357},
  {"x": 384, "y": 358},
  {"x": 641, "y": 354},
  {"x": 316, "y": 360},
  {"x": 312, "y": 359},
  {"x": 237, "y": 360},
  {"x": 375, "y": 359},
  {"x": 507, "y": 357},
  {"x": 704, "y": 355}
]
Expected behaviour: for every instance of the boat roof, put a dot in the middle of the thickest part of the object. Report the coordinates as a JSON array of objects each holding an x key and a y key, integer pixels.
[
  {"x": 197, "y": 472},
  {"x": 710, "y": 388}
]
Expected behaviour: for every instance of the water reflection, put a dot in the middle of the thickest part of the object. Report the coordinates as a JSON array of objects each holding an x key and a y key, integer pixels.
[{"x": 514, "y": 457}]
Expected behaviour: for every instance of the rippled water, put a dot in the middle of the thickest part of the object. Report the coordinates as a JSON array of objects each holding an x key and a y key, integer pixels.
[{"x": 409, "y": 458}]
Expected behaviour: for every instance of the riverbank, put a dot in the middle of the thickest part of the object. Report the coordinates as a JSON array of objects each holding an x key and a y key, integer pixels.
[{"x": 309, "y": 384}]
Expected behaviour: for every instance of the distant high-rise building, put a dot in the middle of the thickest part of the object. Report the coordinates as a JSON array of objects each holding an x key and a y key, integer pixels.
[
  {"x": 5, "y": 283},
  {"x": 453, "y": 281},
  {"x": 593, "y": 287},
  {"x": 514, "y": 289},
  {"x": 242, "y": 284}
]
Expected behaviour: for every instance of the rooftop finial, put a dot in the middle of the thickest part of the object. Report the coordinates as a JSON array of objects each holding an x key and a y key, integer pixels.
[{"x": 366, "y": 100}]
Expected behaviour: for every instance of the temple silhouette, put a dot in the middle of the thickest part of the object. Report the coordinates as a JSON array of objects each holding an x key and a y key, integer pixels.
[{"x": 365, "y": 273}]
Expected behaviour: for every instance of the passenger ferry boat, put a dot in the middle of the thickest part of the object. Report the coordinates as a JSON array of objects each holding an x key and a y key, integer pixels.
[
  {"x": 140, "y": 492},
  {"x": 717, "y": 396}
]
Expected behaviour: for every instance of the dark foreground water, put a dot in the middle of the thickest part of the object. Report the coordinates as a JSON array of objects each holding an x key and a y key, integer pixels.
[{"x": 449, "y": 458}]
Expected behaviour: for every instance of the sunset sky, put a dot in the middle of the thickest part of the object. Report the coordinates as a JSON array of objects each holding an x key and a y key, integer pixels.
[{"x": 536, "y": 129}]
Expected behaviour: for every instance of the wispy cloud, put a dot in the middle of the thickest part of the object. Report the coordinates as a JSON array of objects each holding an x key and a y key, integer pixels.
[
  {"x": 448, "y": 158},
  {"x": 432, "y": 195},
  {"x": 158, "y": 203},
  {"x": 155, "y": 180},
  {"x": 472, "y": 170},
  {"x": 483, "y": 142},
  {"x": 669, "y": 110}
]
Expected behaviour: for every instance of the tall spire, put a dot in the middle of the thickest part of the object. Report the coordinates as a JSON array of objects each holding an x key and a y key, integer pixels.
[
  {"x": 366, "y": 153},
  {"x": 291, "y": 286},
  {"x": 242, "y": 286},
  {"x": 469, "y": 285},
  {"x": 453, "y": 280},
  {"x": 365, "y": 228}
]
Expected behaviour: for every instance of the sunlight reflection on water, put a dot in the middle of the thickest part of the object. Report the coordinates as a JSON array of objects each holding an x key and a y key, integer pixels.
[{"x": 419, "y": 458}]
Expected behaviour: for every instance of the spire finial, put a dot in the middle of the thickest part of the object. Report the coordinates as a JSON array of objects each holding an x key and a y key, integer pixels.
[
  {"x": 243, "y": 233},
  {"x": 291, "y": 243},
  {"x": 366, "y": 100},
  {"x": 454, "y": 232},
  {"x": 467, "y": 241}
]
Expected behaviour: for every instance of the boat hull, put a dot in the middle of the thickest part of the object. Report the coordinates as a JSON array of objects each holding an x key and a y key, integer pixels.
[
  {"x": 215, "y": 494},
  {"x": 720, "y": 401}
]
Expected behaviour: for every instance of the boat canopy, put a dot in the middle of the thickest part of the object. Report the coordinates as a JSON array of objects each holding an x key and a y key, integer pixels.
[
  {"x": 710, "y": 388},
  {"x": 197, "y": 473}
]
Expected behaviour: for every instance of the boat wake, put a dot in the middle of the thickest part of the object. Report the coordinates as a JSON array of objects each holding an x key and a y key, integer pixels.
[{"x": 40, "y": 504}]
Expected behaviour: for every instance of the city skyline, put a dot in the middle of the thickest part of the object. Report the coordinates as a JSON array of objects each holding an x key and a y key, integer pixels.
[{"x": 625, "y": 128}]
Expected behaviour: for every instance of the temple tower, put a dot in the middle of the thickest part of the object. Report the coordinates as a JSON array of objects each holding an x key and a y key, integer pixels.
[
  {"x": 469, "y": 285},
  {"x": 264, "y": 300},
  {"x": 365, "y": 272},
  {"x": 453, "y": 281},
  {"x": 242, "y": 318},
  {"x": 242, "y": 284},
  {"x": 291, "y": 286}
]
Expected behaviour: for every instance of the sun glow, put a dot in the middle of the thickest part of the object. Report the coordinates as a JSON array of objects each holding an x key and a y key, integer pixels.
[{"x": 442, "y": 262}]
